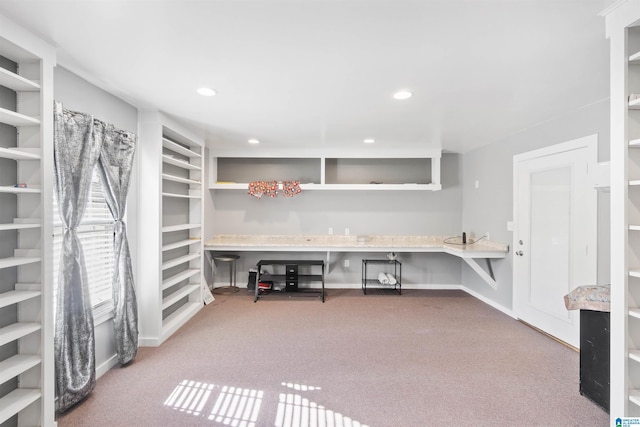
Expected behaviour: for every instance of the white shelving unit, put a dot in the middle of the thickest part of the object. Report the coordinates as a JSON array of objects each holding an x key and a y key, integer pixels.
[
  {"x": 623, "y": 31},
  {"x": 388, "y": 171},
  {"x": 171, "y": 209},
  {"x": 26, "y": 298}
]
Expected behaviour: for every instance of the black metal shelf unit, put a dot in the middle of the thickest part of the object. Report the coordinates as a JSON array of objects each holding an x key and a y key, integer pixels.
[
  {"x": 291, "y": 277},
  {"x": 374, "y": 283}
]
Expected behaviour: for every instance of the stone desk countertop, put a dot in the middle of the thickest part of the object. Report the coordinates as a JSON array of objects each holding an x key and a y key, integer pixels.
[{"x": 357, "y": 243}]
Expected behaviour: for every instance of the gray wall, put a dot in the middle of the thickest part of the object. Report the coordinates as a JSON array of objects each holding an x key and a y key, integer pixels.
[
  {"x": 489, "y": 207},
  {"x": 77, "y": 94},
  {"x": 363, "y": 212}
]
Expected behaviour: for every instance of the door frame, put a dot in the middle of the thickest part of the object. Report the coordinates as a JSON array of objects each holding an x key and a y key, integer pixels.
[{"x": 590, "y": 143}]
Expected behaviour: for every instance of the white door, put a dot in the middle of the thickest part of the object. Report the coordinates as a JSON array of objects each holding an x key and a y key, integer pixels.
[{"x": 555, "y": 210}]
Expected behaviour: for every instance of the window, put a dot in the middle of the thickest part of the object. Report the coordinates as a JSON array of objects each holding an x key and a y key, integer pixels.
[{"x": 96, "y": 235}]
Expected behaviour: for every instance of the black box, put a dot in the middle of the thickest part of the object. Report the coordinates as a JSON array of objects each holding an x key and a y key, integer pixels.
[{"x": 594, "y": 356}]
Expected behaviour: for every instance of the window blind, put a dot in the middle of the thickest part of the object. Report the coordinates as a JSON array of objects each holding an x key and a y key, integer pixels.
[{"x": 96, "y": 235}]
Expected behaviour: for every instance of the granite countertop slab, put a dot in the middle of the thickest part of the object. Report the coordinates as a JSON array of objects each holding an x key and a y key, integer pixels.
[
  {"x": 419, "y": 243},
  {"x": 595, "y": 297}
]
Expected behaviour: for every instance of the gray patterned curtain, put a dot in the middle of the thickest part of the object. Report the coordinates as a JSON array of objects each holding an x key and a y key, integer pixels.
[
  {"x": 76, "y": 151},
  {"x": 116, "y": 161}
]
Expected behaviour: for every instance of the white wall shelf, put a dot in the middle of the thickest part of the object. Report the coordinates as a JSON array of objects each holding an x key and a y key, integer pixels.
[
  {"x": 17, "y": 153},
  {"x": 16, "y": 261},
  {"x": 182, "y": 196},
  {"x": 174, "y": 262},
  {"x": 180, "y": 179},
  {"x": 16, "y": 82},
  {"x": 180, "y": 227},
  {"x": 180, "y": 149},
  {"x": 26, "y": 306},
  {"x": 16, "y": 365},
  {"x": 20, "y": 190},
  {"x": 172, "y": 212},
  {"x": 15, "y": 331},
  {"x": 19, "y": 225},
  {"x": 14, "y": 297},
  {"x": 394, "y": 172},
  {"x": 17, "y": 401},
  {"x": 184, "y": 275},
  {"x": 176, "y": 296},
  {"x": 181, "y": 243},
  {"x": 16, "y": 119},
  {"x": 180, "y": 163}
]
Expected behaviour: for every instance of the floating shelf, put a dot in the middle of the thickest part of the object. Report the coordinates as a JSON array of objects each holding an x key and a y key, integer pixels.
[
  {"x": 635, "y": 58},
  {"x": 16, "y": 365},
  {"x": 635, "y": 104},
  {"x": 634, "y": 396},
  {"x": 179, "y": 294},
  {"x": 634, "y": 227},
  {"x": 180, "y": 179},
  {"x": 14, "y": 297},
  {"x": 20, "y": 153},
  {"x": 16, "y": 82},
  {"x": 16, "y": 119},
  {"x": 180, "y": 260},
  {"x": 184, "y": 275},
  {"x": 180, "y": 244},
  {"x": 180, "y": 163},
  {"x": 634, "y": 143},
  {"x": 180, "y": 227},
  {"x": 634, "y": 312},
  {"x": 16, "y": 401},
  {"x": 634, "y": 355}
]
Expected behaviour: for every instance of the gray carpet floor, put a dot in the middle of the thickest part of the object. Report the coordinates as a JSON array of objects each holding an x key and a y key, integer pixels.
[{"x": 425, "y": 358}]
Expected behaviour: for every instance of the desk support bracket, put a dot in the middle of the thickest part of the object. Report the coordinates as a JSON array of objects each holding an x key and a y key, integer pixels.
[{"x": 486, "y": 276}]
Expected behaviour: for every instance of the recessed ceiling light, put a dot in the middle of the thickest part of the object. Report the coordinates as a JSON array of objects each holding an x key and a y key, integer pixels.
[
  {"x": 206, "y": 91},
  {"x": 369, "y": 141},
  {"x": 254, "y": 141},
  {"x": 402, "y": 94}
]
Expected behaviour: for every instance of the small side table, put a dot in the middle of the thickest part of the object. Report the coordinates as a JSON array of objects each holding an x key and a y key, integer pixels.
[
  {"x": 231, "y": 259},
  {"x": 375, "y": 283}
]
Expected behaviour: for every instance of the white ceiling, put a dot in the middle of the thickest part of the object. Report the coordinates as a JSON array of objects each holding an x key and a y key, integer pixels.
[{"x": 320, "y": 73}]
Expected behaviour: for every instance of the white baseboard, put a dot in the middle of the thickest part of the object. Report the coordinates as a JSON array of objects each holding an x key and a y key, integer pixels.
[
  {"x": 108, "y": 364},
  {"x": 487, "y": 301}
]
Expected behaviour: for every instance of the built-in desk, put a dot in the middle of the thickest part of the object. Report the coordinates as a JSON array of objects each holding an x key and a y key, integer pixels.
[{"x": 469, "y": 252}]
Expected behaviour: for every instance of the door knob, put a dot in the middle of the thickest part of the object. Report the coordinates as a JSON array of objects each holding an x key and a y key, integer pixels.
[{"x": 519, "y": 253}]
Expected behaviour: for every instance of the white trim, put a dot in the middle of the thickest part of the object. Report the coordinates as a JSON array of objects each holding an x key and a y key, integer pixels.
[
  {"x": 104, "y": 367},
  {"x": 490, "y": 302}
]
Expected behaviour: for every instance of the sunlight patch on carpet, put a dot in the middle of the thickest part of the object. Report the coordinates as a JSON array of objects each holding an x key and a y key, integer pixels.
[
  {"x": 190, "y": 397},
  {"x": 235, "y": 406},
  {"x": 301, "y": 387},
  {"x": 297, "y": 411}
]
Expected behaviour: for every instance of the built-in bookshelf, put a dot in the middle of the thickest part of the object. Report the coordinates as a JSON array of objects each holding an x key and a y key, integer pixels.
[
  {"x": 624, "y": 36},
  {"x": 26, "y": 187},
  {"x": 172, "y": 211}
]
